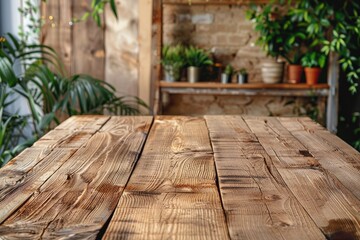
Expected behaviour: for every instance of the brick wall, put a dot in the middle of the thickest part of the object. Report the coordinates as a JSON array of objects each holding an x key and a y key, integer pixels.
[{"x": 222, "y": 29}]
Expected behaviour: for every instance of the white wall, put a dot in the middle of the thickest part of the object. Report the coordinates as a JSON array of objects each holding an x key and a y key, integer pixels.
[
  {"x": 10, "y": 18},
  {"x": 10, "y": 21}
]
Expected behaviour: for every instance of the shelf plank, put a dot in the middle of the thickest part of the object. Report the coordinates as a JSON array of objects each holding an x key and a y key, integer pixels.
[
  {"x": 243, "y": 86},
  {"x": 249, "y": 89},
  {"x": 213, "y": 2}
]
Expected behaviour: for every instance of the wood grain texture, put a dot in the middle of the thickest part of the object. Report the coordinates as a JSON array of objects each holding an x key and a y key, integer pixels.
[
  {"x": 88, "y": 49},
  {"x": 22, "y": 176},
  {"x": 333, "y": 154},
  {"x": 57, "y": 31},
  {"x": 172, "y": 192},
  {"x": 180, "y": 177},
  {"x": 333, "y": 207},
  {"x": 257, "y": 204},
  {"x": 79, "y": 197}
]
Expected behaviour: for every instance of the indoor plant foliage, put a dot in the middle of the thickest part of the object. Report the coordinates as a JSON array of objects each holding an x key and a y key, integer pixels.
[
  {"x": 280, "y": 35},
  {"x": 173, "y": 61},
  {"x": 335, "y": 26},
  {"x": 47, "y": 94},
  {"x": 196, "y": 58}
]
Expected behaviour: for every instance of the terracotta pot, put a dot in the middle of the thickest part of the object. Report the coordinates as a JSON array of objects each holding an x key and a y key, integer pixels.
[
  {"x": 295, "y": 73},
  {"x": 312, "y": 75},
  {"x": 272, "y": 72}
]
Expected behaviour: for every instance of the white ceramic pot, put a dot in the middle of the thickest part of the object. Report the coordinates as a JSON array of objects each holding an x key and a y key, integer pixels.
[{"x": 272, "y": 72}]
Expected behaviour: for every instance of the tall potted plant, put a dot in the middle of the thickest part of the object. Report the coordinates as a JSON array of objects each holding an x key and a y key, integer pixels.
[
  {"x": 270, "y": 25},
  {"x": 196, "y": 58},
  {"x": 313, "y": 63},
  {"x": 173, "y": 61}
]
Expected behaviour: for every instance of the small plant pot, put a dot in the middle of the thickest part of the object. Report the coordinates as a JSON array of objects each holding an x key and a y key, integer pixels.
[
  {"x": 295, "y": 73},
  {"x": 242, "y": 78},
  {"x": 312, "y": 75},
  {"x": 272, "y": 72},
  {"x": 225, "y": 78},
  {"x": 193, "y": 74}
]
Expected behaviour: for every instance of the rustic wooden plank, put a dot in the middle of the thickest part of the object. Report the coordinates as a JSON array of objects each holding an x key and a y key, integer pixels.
[
  {"x": 334, "y": 208},
  {"x": 333, "y": 98},
  {"x": 258, "y": 205},
  {"x": 122, "y": 47},
  {"x": 23, "y": 175},
  {"x": 57, "y": 31},
  {"x": 80, "y": 196},
  {"x": 332, "y": 153},
  {"x": 173, "y": 190},
  {"x": 88, "y": 49},
  {"x": 156, "y": 56},
  {"x": 145, "y": 53}
]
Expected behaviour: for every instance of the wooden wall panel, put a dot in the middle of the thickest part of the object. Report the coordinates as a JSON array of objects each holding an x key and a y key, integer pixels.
[
  {"x": 88, "y": 43},
  {"x": 57, "y": 31},
  {"x": 122, "y": 47},
  {"x": 145, "y": 58},
  {"x": 181, "y": 104},
  {"x": 80, "y": 45}
]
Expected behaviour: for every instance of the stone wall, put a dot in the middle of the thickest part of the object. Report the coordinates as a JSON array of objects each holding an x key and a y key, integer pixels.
[
  {"x": 191, "y": 104},
  {"x": 221, "y": 29}
]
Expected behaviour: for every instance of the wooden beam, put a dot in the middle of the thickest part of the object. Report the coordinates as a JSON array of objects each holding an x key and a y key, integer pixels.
[
  {"x": 333, "y": 98},
  {"x": 145, "y": 54}
]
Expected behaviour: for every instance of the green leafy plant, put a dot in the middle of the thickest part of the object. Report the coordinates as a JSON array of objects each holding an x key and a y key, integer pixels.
[
  {"x": 173, "y": 60},
  {"x": 270, "y": 26},
  {"x": 356, "y": 121},
  {"x": 313, "y": 59},
  {"x": 49, "y": 93},
  {"x": 334, "y": 26},
  {"x": 229, "y": 69},
  {"x": 242, "y": 71},
  {"x": 279, "y": 35},
  {"x": 173, "y": 55},
  {"x": 197, "y": 57}
]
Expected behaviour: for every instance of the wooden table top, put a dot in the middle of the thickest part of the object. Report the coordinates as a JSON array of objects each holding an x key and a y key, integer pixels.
[{"x": 211, "y": 177}]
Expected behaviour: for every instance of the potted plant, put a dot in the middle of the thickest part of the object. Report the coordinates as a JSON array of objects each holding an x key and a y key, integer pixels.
[
  {"x": 242, "y": 76},
  {"x": 294, "y": 47},
  {"x": 173, "y": 61},
  {"x": 196, "y": 58},
  {"x": 269, "y": 23},
  {"x": 226, "y": 75},
  {"x": 313, "y": 62}
]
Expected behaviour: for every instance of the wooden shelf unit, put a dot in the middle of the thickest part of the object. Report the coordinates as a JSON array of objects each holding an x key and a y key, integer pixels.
[
  {"x": 214, "y": 88},
  {"x": 329, "y": 90}
]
